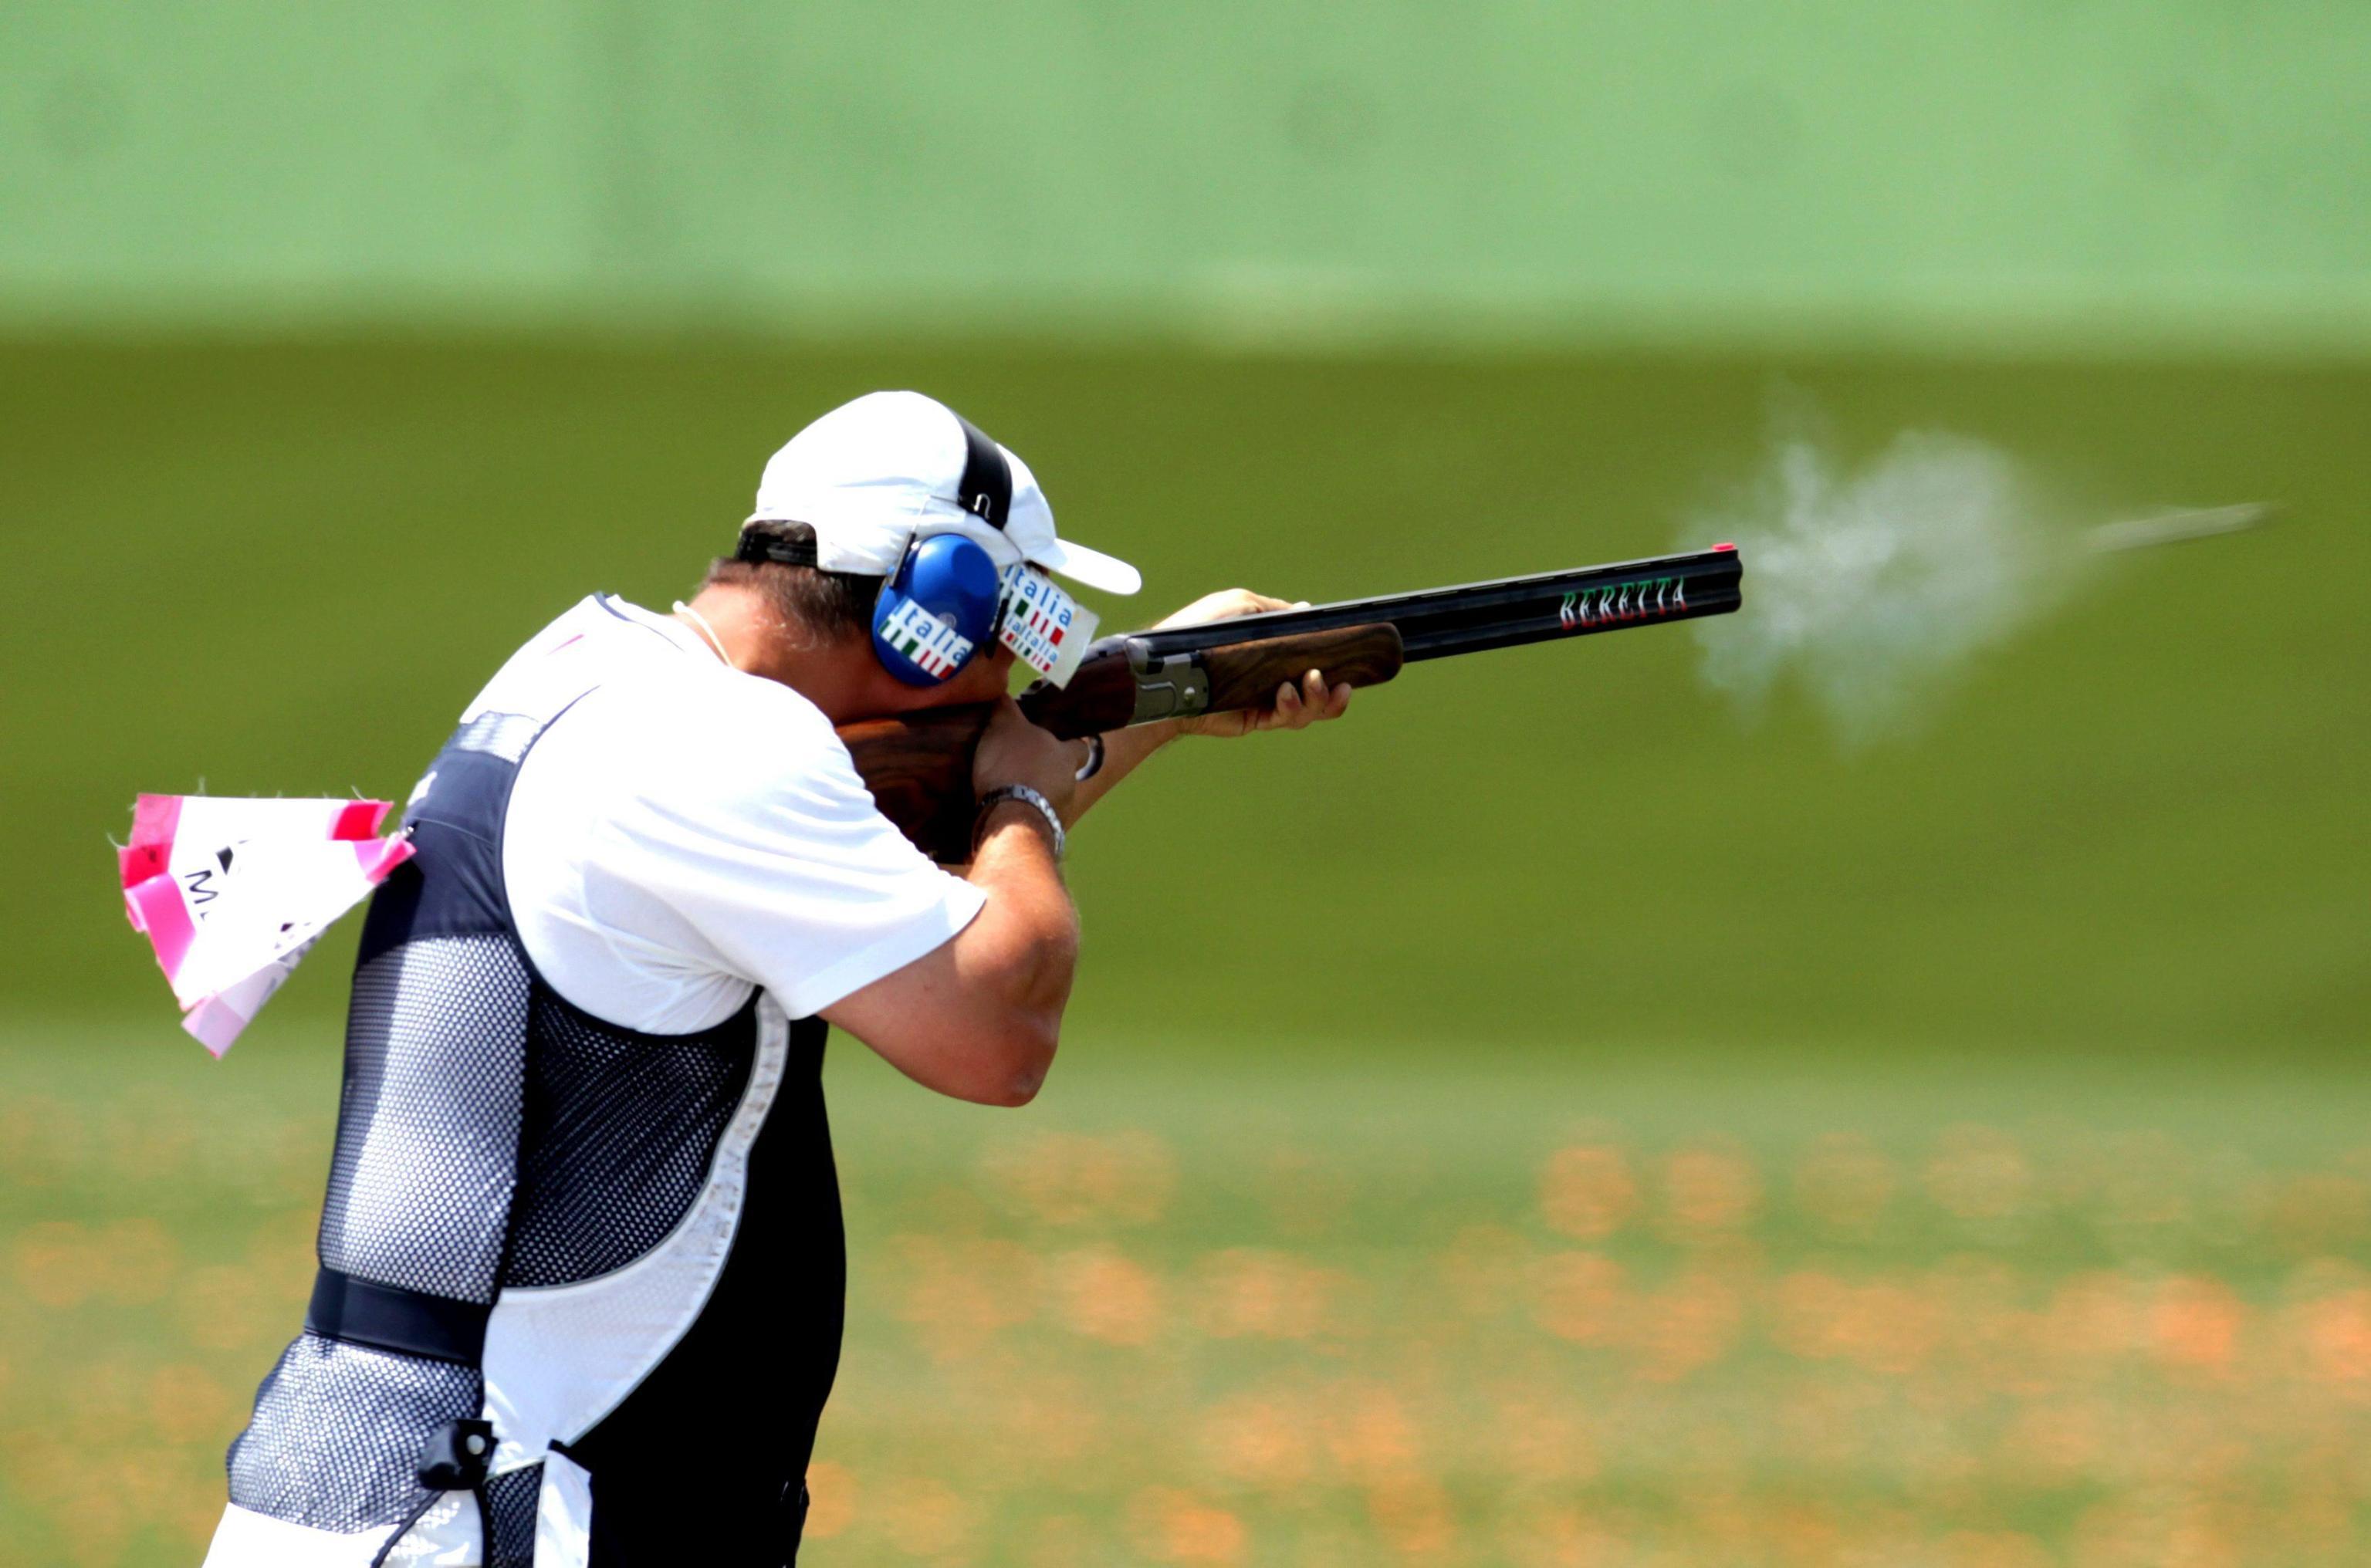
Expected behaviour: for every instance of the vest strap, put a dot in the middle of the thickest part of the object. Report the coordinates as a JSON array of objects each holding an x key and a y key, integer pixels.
[{"x": 389, "y": 1317}]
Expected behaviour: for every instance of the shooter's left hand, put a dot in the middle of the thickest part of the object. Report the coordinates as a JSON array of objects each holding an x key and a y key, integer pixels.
[{"x": 1298, "y": 704}]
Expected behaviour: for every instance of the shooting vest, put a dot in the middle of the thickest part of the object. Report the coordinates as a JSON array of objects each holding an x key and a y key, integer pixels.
[{"x": 622, "y": 1250}]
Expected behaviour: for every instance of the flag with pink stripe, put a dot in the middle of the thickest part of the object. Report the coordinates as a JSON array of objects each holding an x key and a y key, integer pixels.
[{"x": 232, "y": 892}]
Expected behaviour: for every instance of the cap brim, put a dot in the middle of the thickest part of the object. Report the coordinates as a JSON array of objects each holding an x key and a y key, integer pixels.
[{"x": 1090, "y": 567}]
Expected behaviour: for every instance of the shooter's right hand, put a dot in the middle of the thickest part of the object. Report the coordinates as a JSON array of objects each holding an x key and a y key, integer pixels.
[{"x": 1014, "y": 750}]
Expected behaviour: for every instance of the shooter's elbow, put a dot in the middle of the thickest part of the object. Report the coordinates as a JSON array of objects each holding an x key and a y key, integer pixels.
[{"x": 1025, "y": 1055}]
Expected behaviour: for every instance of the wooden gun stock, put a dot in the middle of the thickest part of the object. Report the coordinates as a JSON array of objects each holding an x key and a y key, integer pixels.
[{"x": 918, "y": 765}]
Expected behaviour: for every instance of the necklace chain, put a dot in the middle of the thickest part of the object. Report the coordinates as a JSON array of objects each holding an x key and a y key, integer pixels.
[{"x": 706, "y": 631}]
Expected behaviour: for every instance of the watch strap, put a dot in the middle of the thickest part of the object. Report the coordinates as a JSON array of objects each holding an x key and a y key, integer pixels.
[{"x": 1028, "y": 797}]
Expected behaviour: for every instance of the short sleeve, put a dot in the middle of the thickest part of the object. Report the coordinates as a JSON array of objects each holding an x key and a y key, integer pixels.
[{"x": 695, "y": 842}]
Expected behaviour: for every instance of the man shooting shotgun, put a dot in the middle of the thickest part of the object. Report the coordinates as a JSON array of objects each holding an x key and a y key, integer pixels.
[
  {"x": 581, "y": 1265},
  {"x": 582, "y": 1270}
]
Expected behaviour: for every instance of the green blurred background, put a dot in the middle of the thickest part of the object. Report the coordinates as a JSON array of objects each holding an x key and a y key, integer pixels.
[{"x": 1549, "y": 1118}]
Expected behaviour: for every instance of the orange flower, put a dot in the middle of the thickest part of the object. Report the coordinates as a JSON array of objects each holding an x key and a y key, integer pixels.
[
  {"x": 1370, "y": 1435},
  {"x": 1174, "y": 1525},
  {"x": 1050, "y": 1417},
  {"x": 2091, "y": 1318},
  {"x": 1710, "y": 1188},
  {"x": 140, "y": 1259},
  {"x": 58, "y": 1263},
  {"x": 1892, "y": 1328},
  {"x": 1981, "y": 1174},
  {"x": 2320, "y": 1212},
  {"x": 924, "y": 1517},
  {"x": 1125, "y": 1178},
  {"x": 960, "y": 1293},
  {"x": 1106, "y": 1297},
  {"x": 1261, "y": 1439},
  {"x": 1251, "y": 1292},
  {"x": 831, "y": 1500},
  {"x": 1483, "y": 1269},
  {"x": 2335, "y": 1333},
  {"x": 1587, "y": 1191},
  {"x": 1579, "y": 1297},
  {"x": 40, "y": 1140},
  {"x": 1541, "y": 1439},
  {"x": 187, "y": 1405},
  {"x": 2057, "y": 1441},
  {"x": 1689, "y": 1324},
  {"x": 1844, "y": 1183},
  {"x": 1807, "y": 1313},
  {"x": 2196, "y": 1322},
  {"x": 226, "y": 1308},
  {"x": 1414, "y": 1516}
]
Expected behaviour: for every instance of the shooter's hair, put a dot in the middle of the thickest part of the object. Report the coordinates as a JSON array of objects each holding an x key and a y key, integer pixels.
[{"x": 835, "y": 605}]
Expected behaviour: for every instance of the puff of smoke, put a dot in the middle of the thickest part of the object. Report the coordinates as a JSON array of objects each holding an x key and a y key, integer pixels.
[{"x": 1873, "y": 587}]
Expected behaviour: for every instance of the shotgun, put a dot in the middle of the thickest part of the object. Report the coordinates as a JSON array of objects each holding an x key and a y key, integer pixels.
[{"x": 918, "y": 765}]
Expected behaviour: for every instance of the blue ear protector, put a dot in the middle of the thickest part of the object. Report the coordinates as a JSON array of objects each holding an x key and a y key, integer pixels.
[{"x": 940, "y": 610}]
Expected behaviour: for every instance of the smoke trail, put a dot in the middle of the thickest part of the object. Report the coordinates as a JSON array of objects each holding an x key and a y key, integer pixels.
[{"x": 1873, "y": 587}]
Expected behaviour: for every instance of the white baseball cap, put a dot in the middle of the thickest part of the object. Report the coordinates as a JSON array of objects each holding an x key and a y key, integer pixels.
[{"x": 872, "y": 474}]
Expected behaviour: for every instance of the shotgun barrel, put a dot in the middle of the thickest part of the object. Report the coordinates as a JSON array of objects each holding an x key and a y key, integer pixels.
[
  {"x": 1503, "y": 613},
  {"x": 1139, "y": 677}
]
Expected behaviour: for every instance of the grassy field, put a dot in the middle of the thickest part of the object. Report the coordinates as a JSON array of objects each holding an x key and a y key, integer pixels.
[
  {"x": 1630, "y": 1309},
  {"x": 1545, "y": 1120}
]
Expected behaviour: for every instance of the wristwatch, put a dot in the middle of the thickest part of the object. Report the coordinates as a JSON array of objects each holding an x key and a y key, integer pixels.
[{"x": 1027, "y": 797}]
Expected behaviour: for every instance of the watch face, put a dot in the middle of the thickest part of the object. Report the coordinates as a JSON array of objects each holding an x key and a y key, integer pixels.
[{"x": 1047, "y": 628}]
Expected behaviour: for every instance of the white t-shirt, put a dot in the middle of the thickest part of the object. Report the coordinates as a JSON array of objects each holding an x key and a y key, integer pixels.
[{"x": 685, "y": 833}]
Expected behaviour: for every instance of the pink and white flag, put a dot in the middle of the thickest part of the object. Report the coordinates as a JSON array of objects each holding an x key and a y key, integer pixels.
[{"x": 231, "y": 893}]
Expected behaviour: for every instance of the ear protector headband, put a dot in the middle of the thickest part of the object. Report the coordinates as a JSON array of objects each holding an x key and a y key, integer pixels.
[
  {"x": 986, "y": 489},
  {"x": 941, "y": 606}
]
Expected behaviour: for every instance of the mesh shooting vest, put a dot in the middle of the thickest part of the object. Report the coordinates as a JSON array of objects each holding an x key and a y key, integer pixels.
[{"x": 623, "y": 1250}]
